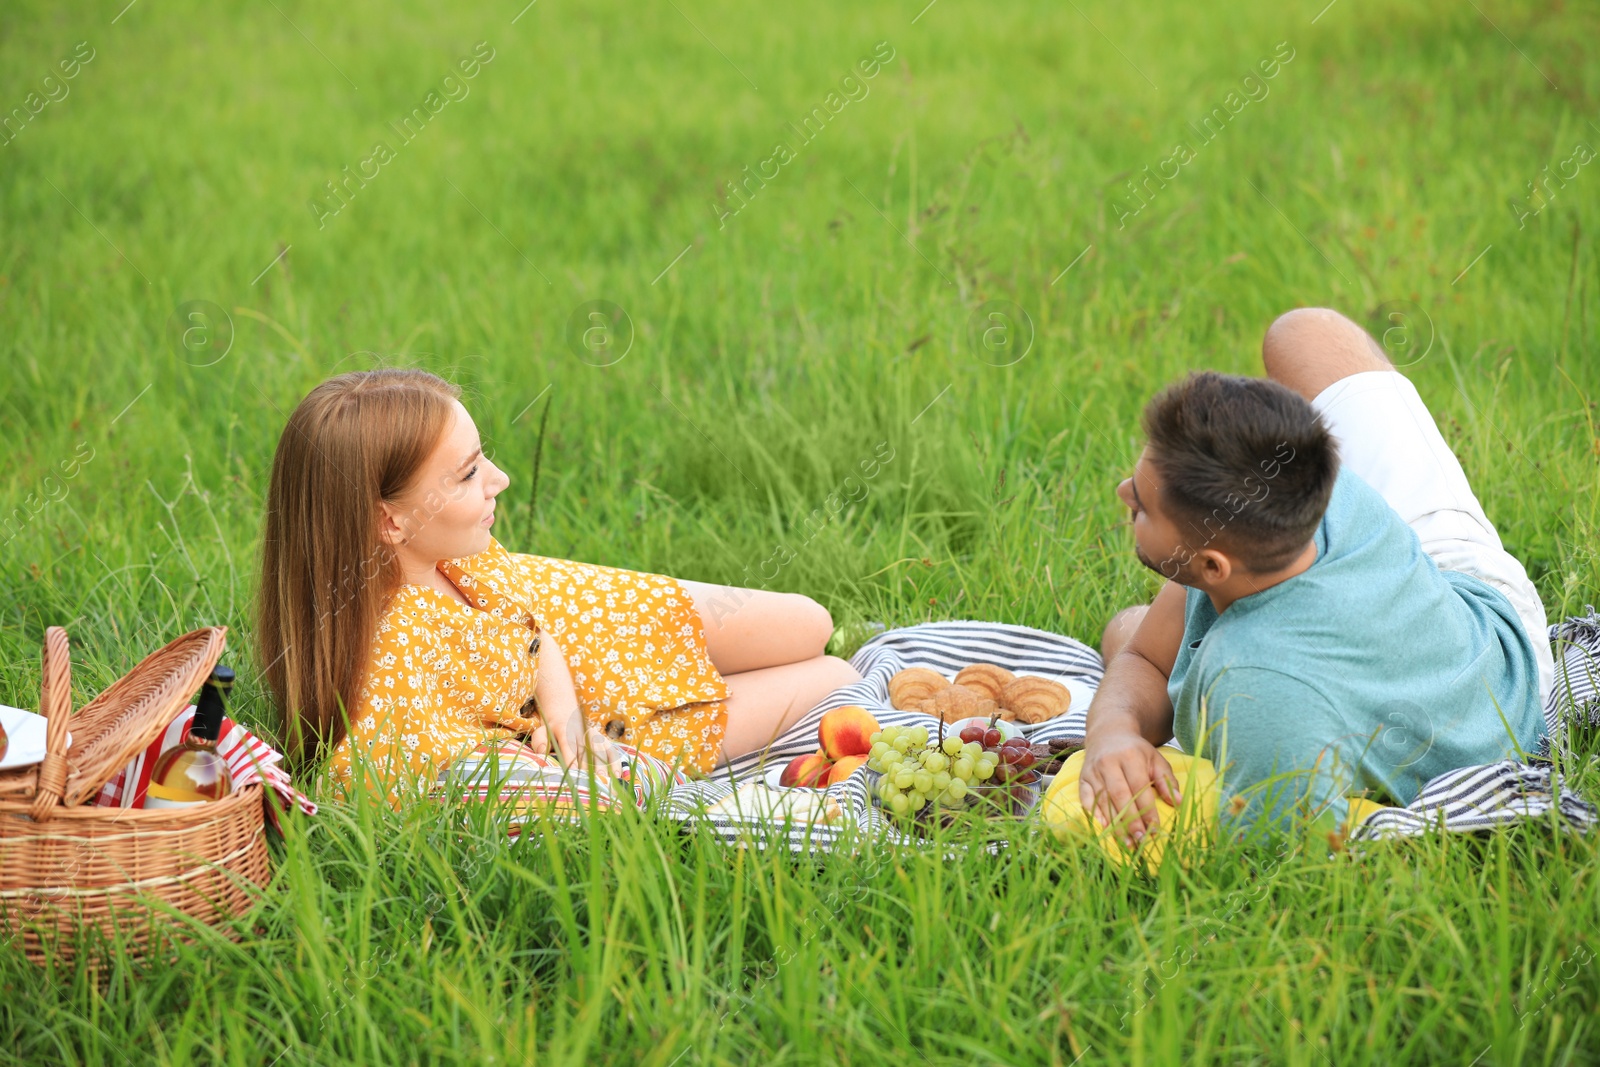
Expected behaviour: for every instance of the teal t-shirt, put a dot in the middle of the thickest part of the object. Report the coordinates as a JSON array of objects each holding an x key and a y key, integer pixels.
[{"x": 1371, "y": 672}]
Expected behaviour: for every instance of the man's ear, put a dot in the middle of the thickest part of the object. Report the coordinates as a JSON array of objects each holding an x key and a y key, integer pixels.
[
  {"x": 390, "y": 532},
  {"x": 1214, "y": 566}
]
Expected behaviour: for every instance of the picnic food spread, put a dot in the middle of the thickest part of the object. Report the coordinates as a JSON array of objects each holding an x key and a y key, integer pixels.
[{"x": 980, "y": 689}]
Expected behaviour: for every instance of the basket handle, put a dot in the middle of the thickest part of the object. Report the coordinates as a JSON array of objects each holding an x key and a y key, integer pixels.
[{"x": 55, "y": 702}]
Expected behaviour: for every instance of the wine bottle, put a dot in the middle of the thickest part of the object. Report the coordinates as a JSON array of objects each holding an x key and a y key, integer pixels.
[{"x": 194, "y": 772}]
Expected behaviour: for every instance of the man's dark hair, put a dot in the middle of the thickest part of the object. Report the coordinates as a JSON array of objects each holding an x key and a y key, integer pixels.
[{"x": 1246, "y": 463}]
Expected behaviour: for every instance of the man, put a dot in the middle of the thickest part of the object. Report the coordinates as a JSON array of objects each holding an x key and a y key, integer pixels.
[{"x": 1340, "y": 615}]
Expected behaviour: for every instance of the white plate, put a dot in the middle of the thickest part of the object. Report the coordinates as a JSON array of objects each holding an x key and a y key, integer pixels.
[
  {"x": 753, "y": 802},
  {"x": 772, "y": 774},
  {"x": 25, "y": 732}
]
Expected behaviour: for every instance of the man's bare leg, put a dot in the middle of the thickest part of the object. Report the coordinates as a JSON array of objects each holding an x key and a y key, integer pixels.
[{"x": 1308, "y": 349}]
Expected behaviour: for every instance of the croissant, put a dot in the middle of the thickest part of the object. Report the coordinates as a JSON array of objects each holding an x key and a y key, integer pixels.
[
  {"x": 957, "y": 702},
  {"x": 986, "y": 678},
  {"x": 1035, "y": 699},
  {"x": 909, "y": 688}
]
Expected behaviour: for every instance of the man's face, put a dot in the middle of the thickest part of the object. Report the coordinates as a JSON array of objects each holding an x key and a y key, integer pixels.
[{"x": 1156, "y": 538}]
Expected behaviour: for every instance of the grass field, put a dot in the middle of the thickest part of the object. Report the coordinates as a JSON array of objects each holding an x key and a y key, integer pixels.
[{"x": 176, "y": 272}]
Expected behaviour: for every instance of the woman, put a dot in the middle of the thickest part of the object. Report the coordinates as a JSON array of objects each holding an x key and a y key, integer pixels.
[{"x": 396, "y": 629}]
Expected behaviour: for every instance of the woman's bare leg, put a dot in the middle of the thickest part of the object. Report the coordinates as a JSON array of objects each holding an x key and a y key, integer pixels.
[
  {"x": 748, "y": 629},
  {"x": 763, "y": 703},
  {"x": 768, "y": 647}
]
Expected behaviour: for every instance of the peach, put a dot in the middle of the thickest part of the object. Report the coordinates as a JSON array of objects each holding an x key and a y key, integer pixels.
[
  {"x": 844, "y": 731},
  {"x": 807, "y": 772},
  {"x": 845, "y": 767}
]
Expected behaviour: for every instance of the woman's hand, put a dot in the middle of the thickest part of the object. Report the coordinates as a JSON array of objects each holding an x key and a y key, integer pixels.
[
  {"x": 577, "y": 748},
  {"x": 605, "y": 752},
  {"x": 567, "y": 735}
]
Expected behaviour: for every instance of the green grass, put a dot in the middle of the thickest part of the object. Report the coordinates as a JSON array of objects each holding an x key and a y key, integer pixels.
[{"x": 766, "y": 364}]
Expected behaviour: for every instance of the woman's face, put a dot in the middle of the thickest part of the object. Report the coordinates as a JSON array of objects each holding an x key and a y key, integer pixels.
[{"x": 447, "y": 512}]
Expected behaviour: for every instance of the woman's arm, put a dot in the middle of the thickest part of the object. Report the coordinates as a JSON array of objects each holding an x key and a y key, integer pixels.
[
  {"x": 563, "y": 720},
  {"x": 557, "y": 701}
]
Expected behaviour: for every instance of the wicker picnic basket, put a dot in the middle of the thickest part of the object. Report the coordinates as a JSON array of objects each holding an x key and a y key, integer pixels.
[{"x": 68, "y": 867}]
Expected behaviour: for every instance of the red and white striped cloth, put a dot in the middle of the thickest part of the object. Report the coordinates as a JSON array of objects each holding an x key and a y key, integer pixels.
[{"x": 249, "y": 759}]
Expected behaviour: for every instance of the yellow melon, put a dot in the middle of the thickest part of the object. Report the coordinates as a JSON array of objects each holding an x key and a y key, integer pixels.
[{"x": 1194, "y": 821}]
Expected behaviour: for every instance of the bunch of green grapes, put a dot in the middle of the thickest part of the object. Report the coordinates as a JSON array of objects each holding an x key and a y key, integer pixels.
[{"x": 916, "y": 774}]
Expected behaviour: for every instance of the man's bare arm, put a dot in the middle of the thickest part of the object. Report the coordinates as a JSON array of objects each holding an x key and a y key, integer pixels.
[
  {"x": 1133, "y": 693},
  {"x": 1131, "y": 715}
]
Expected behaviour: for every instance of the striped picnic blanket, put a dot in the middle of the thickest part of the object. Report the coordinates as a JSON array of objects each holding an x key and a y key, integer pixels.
[
  {"x": 1471, "y": 798},
  {"x": 1575, "y": 700},
  {"x": 528, "y": 784}
]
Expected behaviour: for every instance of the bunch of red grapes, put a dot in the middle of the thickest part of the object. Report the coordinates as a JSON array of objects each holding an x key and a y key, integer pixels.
[{"x": 1013, "y": 773}]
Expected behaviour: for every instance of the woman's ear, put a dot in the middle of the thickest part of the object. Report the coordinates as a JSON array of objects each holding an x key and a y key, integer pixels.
[{"x": 390, "y": 532}]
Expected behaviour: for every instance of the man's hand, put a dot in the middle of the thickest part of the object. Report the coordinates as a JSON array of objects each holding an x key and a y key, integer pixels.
[{"x": 1122, "y": 775}]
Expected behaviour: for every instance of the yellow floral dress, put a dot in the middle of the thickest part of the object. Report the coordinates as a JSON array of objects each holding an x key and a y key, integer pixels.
[{"x": 444, "y": 677}]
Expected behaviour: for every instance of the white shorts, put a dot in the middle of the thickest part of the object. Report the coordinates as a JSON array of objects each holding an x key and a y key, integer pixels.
[{"x": 1388, "y": 438}]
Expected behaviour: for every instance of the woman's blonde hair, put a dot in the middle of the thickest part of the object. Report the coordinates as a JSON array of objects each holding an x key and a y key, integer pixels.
[{"x": 355, "y": 440}]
